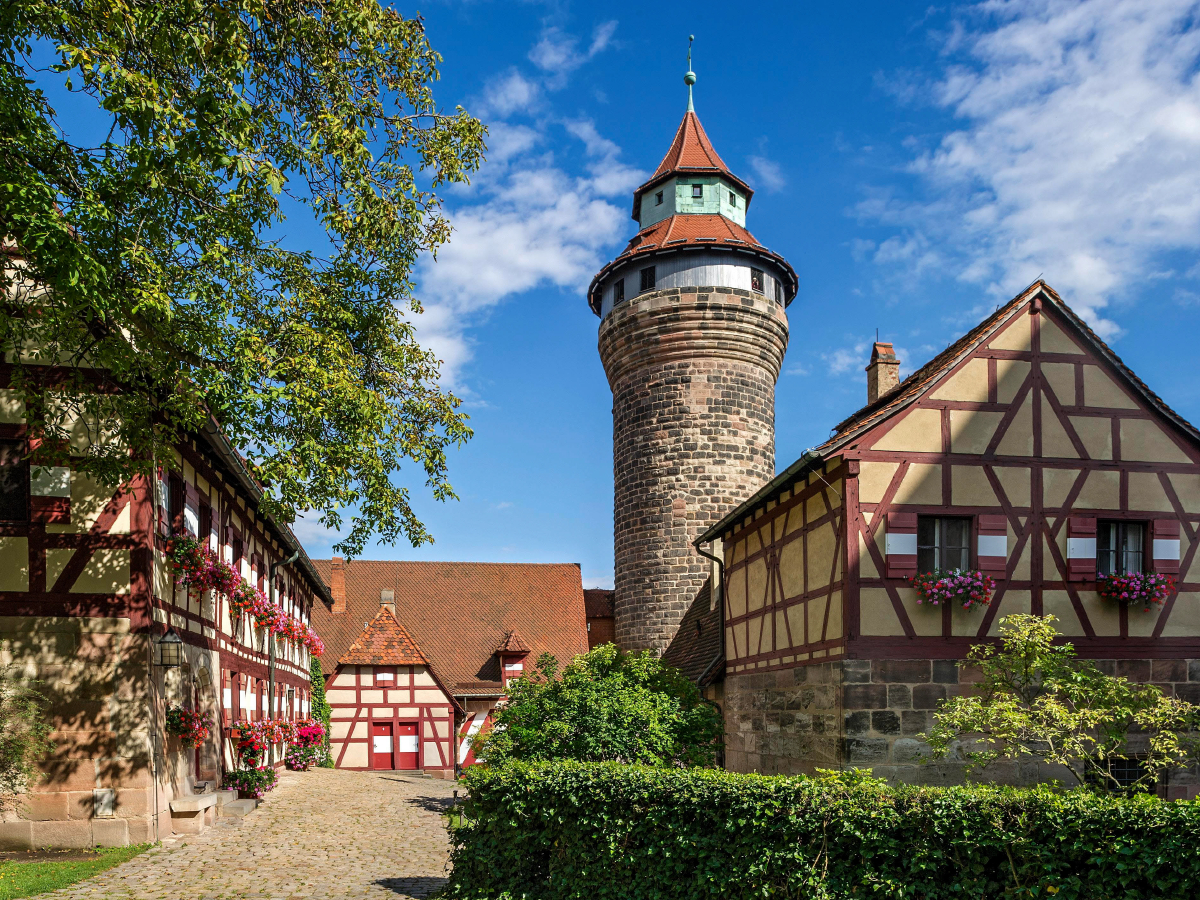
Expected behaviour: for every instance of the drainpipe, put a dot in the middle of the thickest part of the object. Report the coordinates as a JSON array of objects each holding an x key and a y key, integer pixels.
[
  {"x": 721, "y": 600},
  {"x": 271, "y": 641}
]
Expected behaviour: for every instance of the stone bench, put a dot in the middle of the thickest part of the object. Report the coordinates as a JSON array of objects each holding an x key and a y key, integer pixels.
[{"x": 191, "y": 815}]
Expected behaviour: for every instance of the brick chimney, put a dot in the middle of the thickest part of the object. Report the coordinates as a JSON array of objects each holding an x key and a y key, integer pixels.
[
  {"x": 337, "y": 584},
  {"x": 387, "y": 600},
  {"x": 883, "y": 372}
]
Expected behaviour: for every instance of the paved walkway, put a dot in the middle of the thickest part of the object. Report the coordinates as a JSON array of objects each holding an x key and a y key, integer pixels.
[{"x": 323, "y": 833}]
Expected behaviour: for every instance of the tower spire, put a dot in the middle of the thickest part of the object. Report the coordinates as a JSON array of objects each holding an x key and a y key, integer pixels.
[{"x": 690, "y": 78}]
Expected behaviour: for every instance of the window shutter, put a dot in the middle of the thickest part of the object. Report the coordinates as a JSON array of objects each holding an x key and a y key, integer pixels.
[
  {"x": 1166, "y": 546},
  {"x": 164, "y": 512},
  {"x": 226, "y": 699},
  {"x": 191, "y": 510},
  {"x": 992, "y": 545},
  {"x": 1081, "y": 549},
  {"x": 901, "y": 540}
]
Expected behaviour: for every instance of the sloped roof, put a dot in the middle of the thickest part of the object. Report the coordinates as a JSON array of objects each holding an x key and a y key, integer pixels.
[
  {"x": 384, "y": 642},
  {"x": 915, "y": 385},
  {"x": 458, "y": 613},
  {"x": 692, "y": 231},
  {"x": 512, "y": 643},
  {"x": 598, "y": 603},
  {"x": 691, "y": 152},
  {"x": 695, "y": 650}
]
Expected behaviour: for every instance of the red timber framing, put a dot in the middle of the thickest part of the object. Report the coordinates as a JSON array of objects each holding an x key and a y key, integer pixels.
[
  {"x": 792, "y": 522},
  {"x": 1074, "y": 437},
  {"x": 398, "y": 704}
]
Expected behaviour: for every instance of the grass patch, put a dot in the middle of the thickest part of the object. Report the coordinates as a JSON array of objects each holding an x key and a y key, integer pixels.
[{"x": 23, "y": 879}]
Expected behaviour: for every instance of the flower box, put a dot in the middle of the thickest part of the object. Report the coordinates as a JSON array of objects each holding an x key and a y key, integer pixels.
[
  {"x": 966, "y": 587},
  {"x": 1131, "y": 588}
]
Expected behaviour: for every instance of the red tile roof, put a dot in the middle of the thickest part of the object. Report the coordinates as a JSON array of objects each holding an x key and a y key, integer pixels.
[
  {"x": 691, "y": 152},
  {"x": 458, "y": 613},
  {"x": 384, "y": 642},
  {"x": 691, "y": 231},
  {"x": 695, "y": 650},
  {"x": 598, "y": 603},
  {"x": 512, "y": 643}
]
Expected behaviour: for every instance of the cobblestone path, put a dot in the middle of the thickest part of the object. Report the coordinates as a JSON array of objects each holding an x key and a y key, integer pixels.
[{"x": 323, "y": 833}]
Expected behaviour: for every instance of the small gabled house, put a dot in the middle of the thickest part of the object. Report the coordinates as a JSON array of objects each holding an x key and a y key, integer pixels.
[
  {"x": 477, "y": 626},
  {"x": 389, "y": 709},
  {"x": 1026, "y": 450}
]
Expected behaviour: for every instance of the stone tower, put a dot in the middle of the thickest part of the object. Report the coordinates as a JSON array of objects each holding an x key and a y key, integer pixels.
[{"x": 692, "y": 337}]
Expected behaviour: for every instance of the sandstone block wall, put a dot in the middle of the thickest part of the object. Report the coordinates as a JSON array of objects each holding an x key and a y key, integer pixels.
[
  {"x": 868, "y": 714},
  {"x": 693, "y": 374}
]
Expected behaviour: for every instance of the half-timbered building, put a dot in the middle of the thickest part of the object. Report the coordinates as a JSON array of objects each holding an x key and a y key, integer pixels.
[
  {"x": 468, "y": 629},
  {"x": 1026, "y": 450},
  {"x": 87, "y": 596},
  {"x": 390, "y": 710}
]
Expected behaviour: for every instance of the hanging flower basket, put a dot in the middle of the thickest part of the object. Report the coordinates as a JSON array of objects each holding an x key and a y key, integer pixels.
[
  {"x": 191, "y": 727},
  {"x": 1145, "y": 588},
  {"x": 965, "y": 587}
]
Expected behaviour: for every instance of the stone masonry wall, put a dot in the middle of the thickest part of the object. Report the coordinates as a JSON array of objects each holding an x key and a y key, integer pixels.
[
  {"x": 868, "y": 714},
  {"x": 784, "y": 722},
  {"x": 693, "y": 374}
]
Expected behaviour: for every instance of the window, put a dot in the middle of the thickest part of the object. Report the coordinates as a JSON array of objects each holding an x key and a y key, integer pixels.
[
  {"x": 14, "y": 482},
  {"x": 385, "y": 674},
  {"x": 1123, "y": 774},
  {"x": 732, "y": 199},
  {"x": 618, "y": 291},
  {"x": 205, "y": 524},
  {"x": 943, "y": 543},
  {"x": 658, "y": 199},
  {"x": 175, "y": 503},
  {"x": 648, "y": 278},
  {"x": 778, "y": 291},
  {"x": 756, "y": 280},
  {"x": 698, "y": 191},
  {"x": 1120, "y": 547}
]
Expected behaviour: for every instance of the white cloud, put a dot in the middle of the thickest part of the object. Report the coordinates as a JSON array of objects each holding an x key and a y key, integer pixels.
[
  {"x": 610, "y": 176},
  {"x": 557, "y": 52},
  {"x": 508, "y": 94},
  {"x": 846, "y": 359},
  {"x": 1077, "y": 152},
  {"x": 769, "y": 173}
]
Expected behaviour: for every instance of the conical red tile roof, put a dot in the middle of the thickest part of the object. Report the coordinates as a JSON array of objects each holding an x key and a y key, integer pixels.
[
  {"x": 384, "y": 642},
  {"x": 691, "y": 151}
]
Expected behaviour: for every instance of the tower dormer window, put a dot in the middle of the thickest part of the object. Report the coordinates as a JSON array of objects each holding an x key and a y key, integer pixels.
[
  {"x": 618, "y": 290},
  {"x": 648, "y": 278},
  {"x": 732, "y": 199},
  {"x": 778, "y": 291},
  {"x": 698, "y": 191},
  {"x": 756, "y": 280},
  {"x": 658, "y": 198}
]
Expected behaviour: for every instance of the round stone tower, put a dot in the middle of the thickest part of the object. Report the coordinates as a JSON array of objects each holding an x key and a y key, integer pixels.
[{"x": 692, "y": 337}]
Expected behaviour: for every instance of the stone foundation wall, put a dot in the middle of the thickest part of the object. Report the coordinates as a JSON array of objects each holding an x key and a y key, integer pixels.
[
  {"x": 94, "y": 673},
  {"x": 867, "y": 714},
  {"x": 784, "y": 722},
  {"x": 692, "y": 371}
]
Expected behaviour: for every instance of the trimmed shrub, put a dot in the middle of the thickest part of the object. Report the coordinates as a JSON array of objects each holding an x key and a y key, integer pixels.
[{"x": 606, "y": 831}]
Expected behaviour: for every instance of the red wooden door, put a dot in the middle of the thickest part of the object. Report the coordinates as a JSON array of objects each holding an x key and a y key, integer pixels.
[
  {"x": 408, "y": 747},
  {"x": 381, "y": 745}
]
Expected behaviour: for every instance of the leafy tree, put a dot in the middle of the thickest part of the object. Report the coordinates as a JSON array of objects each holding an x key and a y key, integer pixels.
[
  {"x": 1037, "y": 700},
  {"x": 606, "y": 705},
  {"x": 150, "y": 263},
  {"x": 24, "y": 732}
]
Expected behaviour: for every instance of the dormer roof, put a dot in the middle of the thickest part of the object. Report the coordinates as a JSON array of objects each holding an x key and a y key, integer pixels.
[
  {"x": 383, "y": 642},
  {"x": 512, "y": 643},
  {"x": 691, "y": 153}
]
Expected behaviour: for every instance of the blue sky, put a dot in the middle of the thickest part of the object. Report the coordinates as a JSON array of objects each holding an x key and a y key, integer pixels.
[{"x": 917, "y": 165}]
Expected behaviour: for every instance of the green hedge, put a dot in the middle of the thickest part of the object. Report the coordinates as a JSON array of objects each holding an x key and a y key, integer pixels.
[{"x": 601, "y": 831}]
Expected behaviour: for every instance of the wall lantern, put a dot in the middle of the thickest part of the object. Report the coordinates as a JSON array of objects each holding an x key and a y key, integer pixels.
[{"x": 170, "y": 650}]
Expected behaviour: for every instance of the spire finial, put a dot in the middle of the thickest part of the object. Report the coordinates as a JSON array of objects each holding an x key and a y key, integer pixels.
[{"x": 690, "y": 78}]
